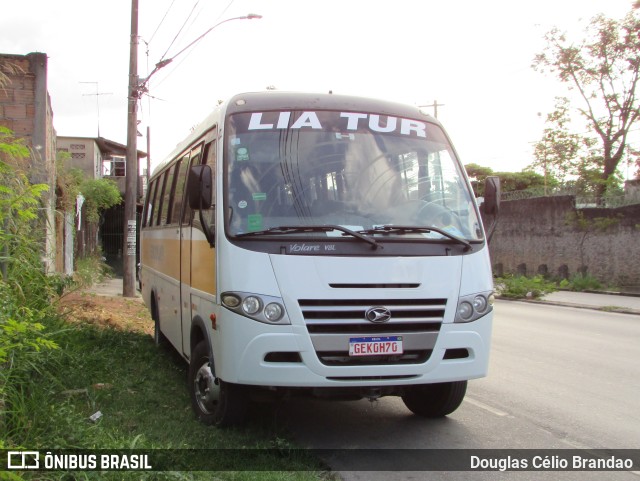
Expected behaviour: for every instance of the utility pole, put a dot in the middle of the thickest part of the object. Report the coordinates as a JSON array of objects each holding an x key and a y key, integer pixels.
[
  {"x": 131, "y": 185},
  {"x": 435, "y": 106},
  {"x": 136, "y": 90},
  {"x": 148, "y": 155}
]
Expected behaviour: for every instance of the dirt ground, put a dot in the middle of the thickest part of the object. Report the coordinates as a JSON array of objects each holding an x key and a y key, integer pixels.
[{"x": 114, "y": 311}]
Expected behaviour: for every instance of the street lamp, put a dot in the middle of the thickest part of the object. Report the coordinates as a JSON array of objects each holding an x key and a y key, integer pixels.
[
  {"x": 136, "y": 89},
  {"x": 142, "y": 88}
]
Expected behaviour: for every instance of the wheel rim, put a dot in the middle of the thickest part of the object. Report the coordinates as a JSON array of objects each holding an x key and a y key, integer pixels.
[{"x": 207, "y": 389}]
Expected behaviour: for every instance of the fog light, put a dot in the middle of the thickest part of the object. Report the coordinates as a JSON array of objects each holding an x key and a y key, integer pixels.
[{"x": 251, "y": 305}]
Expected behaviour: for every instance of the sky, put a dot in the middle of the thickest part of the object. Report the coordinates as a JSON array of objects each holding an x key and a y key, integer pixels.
[{"x": 471, "y": 57}]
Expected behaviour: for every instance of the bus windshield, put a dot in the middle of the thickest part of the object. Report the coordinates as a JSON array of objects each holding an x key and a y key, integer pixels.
[{"x": 364, "y": 172}]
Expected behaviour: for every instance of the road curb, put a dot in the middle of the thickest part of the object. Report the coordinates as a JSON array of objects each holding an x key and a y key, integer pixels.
[{"x": 617, "y": 309}]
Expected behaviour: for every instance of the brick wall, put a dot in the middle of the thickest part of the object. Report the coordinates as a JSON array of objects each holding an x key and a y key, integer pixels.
[
  {"x": 548, "y": 234},
  {"x": 25, "y": 108},
  {"x": 17, "y": 98}
]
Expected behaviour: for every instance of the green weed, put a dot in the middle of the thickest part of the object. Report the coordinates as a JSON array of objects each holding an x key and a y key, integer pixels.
[
  {"x": 521, "y": 287},
  {"x": 144, "y": 402},
  {"x": 580, "y": 282}
]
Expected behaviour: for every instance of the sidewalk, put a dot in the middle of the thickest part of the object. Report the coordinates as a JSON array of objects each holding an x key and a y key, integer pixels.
[
  {"x": 603, "y": 301},
  {"x": 111, "y": 288}
]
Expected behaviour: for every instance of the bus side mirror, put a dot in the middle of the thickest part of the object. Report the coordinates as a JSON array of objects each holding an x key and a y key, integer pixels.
[
  {"x": 491, "y": 204},
  {"x": 492, "y": 195},
  {"x": 200, "y": 187}
]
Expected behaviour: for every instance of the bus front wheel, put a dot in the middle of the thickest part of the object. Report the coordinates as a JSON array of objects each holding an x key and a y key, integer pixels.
[
  {"x": 214, "y": 401},
  {"x": 159, "y": 338},
  {"x": 435, "y": 400}
]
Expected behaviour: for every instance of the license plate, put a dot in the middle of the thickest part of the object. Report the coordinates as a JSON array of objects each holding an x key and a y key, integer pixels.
[{"x": 375, "y": 346}]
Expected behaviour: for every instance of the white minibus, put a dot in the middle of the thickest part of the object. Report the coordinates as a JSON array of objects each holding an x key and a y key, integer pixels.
[{"x": 323, "y": 245}]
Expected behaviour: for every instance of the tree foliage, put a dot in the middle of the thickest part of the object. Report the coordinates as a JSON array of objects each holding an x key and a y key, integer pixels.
[
  {"x": 509, "y": 181},
  {"x": 604, "y": 69},
  {"x": 99, "y": 194}
]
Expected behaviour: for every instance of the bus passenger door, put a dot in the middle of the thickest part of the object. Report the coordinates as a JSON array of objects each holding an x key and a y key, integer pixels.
[
  {"x": 185, "y": 249},
  {"x": 198, "y": 259}
]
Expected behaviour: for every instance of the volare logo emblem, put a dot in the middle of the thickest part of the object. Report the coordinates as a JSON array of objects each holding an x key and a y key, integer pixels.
[
  {"x": 378, "y": 314},
  {"x": 304, "y": 248},
  {"x": 294, "y": 248}
]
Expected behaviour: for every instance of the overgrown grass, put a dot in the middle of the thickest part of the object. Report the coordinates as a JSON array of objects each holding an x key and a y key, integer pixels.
[
  {"x": 521, "y": 287},
  {"x": 144, "y": 402},
  {"x": 91, "y": 270},
  {"x": 581, "y": 282}
]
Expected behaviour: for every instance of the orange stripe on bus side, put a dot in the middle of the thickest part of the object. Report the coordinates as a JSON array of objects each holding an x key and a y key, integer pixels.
[
  {"x": 203, "y": 262},
  {"x": 162, "y": 255}
]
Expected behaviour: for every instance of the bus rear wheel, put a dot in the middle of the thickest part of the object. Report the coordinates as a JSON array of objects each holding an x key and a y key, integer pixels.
[
  {"x": 435, "y": 400},
  {"x": 214, "y": 401}
]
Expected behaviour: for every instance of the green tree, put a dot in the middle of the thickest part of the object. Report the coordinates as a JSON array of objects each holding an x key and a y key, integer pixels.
[
  {"x": 603, "y": 68},
  {"x": 509, "y": 181},
  {"x": 477, "y": 174},
  {"x": 99, "y": 194},
  {"x": 524, "y": 180},
  {"x": 557, "y": 153}
]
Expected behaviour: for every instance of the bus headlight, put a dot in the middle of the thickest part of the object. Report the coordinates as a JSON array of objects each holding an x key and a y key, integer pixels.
[
  {"x": 273, "y": 312},
  {"x": 465, "y": 311},
  {"x": 267, "y": 309},
  {"x": 474, "y": 306},
  {"x": 251, "y": 305}
]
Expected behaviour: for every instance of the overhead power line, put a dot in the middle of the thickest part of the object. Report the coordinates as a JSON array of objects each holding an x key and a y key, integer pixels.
[{"x": 161, "y": 22}]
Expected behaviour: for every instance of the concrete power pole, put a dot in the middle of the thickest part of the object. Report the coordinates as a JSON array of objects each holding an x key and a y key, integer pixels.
[{"x": 131, "y": 186}]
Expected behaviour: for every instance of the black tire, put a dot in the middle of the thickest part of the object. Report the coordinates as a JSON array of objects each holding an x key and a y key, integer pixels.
[
  {"x": 435, "y": 400},
  {"x": 159, "y": 339},
  {"x": 214, "y": 401}
]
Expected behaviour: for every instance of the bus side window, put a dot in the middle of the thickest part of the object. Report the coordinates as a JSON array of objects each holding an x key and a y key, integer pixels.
[
  {"x": 145, "y": 208},
  {"x": 147, "y": 220},
  {"x": 169, "y": 199},
  {"x": 166, "y": 197},
  {"x": 178, "y": 197},
  {"x": 162, "y": 180},
  {"x": 187, "y": 212}
]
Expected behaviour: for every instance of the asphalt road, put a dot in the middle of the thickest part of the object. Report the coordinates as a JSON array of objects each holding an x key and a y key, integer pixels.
[{"x": 560, "y": 378}]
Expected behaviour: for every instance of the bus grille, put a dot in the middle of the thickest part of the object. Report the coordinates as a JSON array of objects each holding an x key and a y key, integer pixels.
[{"x": 331, "y": 323}]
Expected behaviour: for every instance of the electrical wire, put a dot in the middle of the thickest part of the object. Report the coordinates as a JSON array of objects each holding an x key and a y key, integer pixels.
[
  {"x": 161, "y": 22},
  {"x": 179, "y": 31},
  {"x": 183, "y": 59}
]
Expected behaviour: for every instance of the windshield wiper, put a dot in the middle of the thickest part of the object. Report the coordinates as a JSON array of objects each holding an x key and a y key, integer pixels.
[
  {"x": 408, "y": 229},
  {"x": 298, "y": 229}
]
